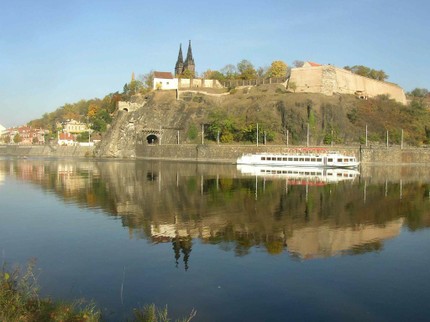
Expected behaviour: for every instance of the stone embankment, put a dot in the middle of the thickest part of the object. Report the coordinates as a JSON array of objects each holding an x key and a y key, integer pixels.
[
  {"x": 46, "y": 151},
  {"x": 212, "y": 153}
]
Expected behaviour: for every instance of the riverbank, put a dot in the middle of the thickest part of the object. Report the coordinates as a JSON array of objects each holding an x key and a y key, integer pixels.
[{"x": 212, "y": 153}]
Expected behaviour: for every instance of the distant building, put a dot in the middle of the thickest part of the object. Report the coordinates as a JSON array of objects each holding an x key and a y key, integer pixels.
[
  {"x": 164, "y": 81},
  {"x": 2, "y": 129},
  {"x": 310, "y": 64},
  {"x": 181, "y": 65},
  {"x": 66, "y": 139},
  {"x": 73, "y": 126},
  {"x": 24, "y": 135}
]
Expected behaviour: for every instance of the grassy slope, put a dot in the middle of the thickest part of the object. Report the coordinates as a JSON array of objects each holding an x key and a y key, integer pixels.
[{"x": 343, "y": 116}]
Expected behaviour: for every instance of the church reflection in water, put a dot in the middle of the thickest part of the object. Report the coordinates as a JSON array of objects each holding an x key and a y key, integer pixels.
[{"x": 309, "y": 215}]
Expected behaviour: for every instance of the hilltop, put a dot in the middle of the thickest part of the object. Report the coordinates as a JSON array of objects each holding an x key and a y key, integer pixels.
[{"x": 340, "y": 119}]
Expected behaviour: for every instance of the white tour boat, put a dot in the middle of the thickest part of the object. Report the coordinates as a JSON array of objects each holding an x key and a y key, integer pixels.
[{"x": 301, "y": 159}]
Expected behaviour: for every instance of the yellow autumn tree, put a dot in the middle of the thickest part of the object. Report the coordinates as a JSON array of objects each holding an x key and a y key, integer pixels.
[
  {"x": 277, "y": 69},
  {"x": 92, "y": 110}
]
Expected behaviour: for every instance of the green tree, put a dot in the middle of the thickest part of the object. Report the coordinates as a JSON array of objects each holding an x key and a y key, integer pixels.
[
  {"x": 192, "y": 132},
  {"x": 188, "y": 74},
  {"x": 419, "y": 92},
  {"x": 246, "y": 70},
  {"x": 17, "y": 138},
  {"x": 229, "y": 71},
  {"x": 292, "y": 86},
  {"x": 367, "y": 72}
]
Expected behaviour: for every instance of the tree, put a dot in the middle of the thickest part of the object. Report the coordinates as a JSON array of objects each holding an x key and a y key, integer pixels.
[
  {"x": 367, "y": 72},
  {"x": 214, "y": 74},
  {"x": 293, "y": 86},
  {"x": 187, "y": 74},
  {"x": 17, "y": 138},
  {"x": 148, "y": 80},
  {"x": 92, "y": 110},
  {"x": 277, "y": 69},
  {"x": 262, "y": 71},
  {"x": 298, "y": 63},
  {"x": 419, "y": 92},
  {"x": 229, "y": 71},
  {"x": 246, "y": 70}
]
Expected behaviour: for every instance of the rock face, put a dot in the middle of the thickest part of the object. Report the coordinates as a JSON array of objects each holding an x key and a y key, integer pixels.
[{"x": 157, "y": 118}]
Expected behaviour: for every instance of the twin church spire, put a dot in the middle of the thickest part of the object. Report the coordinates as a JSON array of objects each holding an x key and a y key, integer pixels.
[{"x": 188, "y": 65}]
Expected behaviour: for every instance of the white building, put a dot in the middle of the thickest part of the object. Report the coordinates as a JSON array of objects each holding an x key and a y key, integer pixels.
[
  {"x": 2, "y": 129},
  {"x": 164, "y": 81},
  {"x": 73, "y": 126}
]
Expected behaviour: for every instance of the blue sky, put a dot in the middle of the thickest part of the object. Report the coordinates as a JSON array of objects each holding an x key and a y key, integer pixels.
[{"x": 57, "y": 52}]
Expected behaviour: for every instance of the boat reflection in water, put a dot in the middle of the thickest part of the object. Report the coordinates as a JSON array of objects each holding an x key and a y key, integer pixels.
[{"x": 301, "y": 175}]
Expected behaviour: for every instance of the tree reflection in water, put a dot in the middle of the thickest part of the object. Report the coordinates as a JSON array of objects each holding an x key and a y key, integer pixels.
[{"x": 178, "y": 202}]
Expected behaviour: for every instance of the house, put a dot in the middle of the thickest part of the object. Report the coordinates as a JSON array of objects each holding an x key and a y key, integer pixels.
[
  {"x": 310, "y": 64},
  {"x": 164, "y": 81},
  {"x": 73, "y": 126},
  {"x": 24, "y": 135},
  {"x": 66, "y": 139},
  {"x": 2, "y": 129}
]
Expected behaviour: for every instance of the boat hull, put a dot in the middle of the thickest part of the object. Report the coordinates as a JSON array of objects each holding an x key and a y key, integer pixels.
[{"x": 303, "y": 160}]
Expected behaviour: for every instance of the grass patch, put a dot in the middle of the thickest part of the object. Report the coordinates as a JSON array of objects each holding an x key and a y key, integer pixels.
[{"x": 20, "y": 302}]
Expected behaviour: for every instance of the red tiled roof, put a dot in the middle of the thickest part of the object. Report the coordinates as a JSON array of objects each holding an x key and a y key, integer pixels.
[
  {"x": 66, "y": 136},
  {"x": 313, "y": 64},
  {"x": 165, "y": 75}
]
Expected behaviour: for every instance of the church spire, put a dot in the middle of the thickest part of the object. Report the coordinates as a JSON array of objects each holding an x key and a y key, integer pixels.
[
  {"x": 179, "y": 67},
  {"x": 189, "y": 61},
  {"x": 190, "y": 58}
]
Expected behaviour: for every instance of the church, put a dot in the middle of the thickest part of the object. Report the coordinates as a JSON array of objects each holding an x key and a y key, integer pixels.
[{"x": 186, "y": 67}]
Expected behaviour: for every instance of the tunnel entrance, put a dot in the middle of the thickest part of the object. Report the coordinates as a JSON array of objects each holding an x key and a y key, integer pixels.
[{"x": 152, "y": 139}]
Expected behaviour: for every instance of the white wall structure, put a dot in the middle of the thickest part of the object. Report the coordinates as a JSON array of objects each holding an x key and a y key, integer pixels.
[
  {"x": 164, "y": 81},
  {"x": 328, "y": 80}
]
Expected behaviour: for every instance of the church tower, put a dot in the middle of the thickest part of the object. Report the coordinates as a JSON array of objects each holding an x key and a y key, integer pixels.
[
  {"x": 179, "y": 67},
  {"x": 189, "y": 61}
]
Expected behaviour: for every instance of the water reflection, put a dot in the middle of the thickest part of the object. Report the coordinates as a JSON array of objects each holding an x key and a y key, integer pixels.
[{"x": 309, "y": 215}]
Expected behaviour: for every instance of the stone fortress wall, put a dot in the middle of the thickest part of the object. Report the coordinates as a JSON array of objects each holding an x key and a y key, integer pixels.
[
  {"x": 323, "y": 79},
  {"x": 184, "y": 83},
  {"x": 329, "y": 80}
]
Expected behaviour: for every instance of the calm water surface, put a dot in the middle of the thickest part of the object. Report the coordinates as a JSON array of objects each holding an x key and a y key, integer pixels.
[{"x": 229, "y": 243}]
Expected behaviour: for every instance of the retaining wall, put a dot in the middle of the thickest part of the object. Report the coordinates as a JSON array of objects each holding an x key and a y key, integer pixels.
[{"x": 226, "y": 153}]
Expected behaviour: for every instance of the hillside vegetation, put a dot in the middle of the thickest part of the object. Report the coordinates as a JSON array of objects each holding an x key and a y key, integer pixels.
[{"x": 341, "y": 119}]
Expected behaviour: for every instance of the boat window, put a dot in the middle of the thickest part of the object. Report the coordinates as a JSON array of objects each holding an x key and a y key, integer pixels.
[
  {"x": 319, "y": 159},
  {"x": 307, "y": 159},
  {"x": 339, "y": 160},
  {"x": 301, "y": 159},
  {"x": 345, "y": 160},
  {"x": 339, "y": 174},
  {"x": 330, "y": 160},
  {"x": 284, "y": 159},
  {"x": 279, "y": 159},
  {"x": 290, "y": 159},
  {"x": 296, "y": 159},
  {"x": 263, "y": 158}
]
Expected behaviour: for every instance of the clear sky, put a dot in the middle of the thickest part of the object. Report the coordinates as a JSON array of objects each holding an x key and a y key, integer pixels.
[{"x": 55, "y": 52}]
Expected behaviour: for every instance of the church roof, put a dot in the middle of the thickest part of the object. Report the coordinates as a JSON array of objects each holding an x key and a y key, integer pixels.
[{"x": 163, "y": 75}]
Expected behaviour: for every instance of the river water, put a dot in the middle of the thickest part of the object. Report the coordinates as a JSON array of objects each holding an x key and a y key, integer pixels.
[{"x": 231, "y": 243}]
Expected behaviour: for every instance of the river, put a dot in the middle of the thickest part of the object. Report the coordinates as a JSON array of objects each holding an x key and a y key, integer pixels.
[{"x": 232, "y": 244}]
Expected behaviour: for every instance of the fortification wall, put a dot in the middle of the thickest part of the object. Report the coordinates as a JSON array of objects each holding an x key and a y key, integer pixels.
[
  {"x": 198, "y": 83},
  {"x": 46, "y": 151},
  {"x": 329, "y": 80},
  {"x": 307, "y": 80},
  {"x": 348, "y": 83}
]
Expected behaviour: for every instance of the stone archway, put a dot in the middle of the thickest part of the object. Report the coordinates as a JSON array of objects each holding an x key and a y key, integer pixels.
[{"x": 152, "y": 139}]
